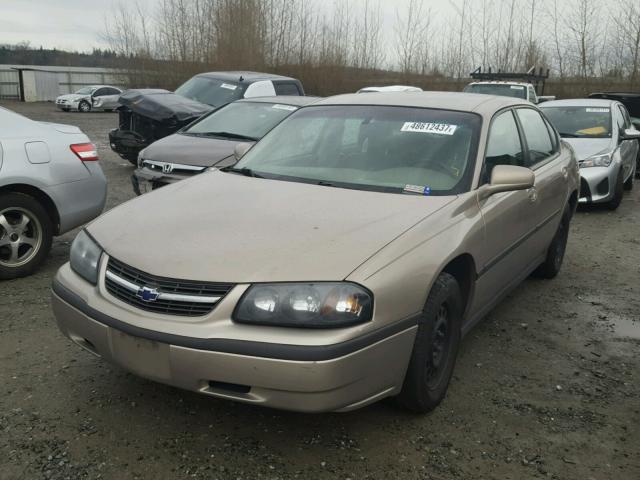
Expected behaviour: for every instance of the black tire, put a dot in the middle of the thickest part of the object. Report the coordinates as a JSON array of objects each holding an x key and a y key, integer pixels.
[
  {"x": 555, "y": 253},
  {"x": 628, "y": 185},
  {"x": 614, "y": 203},
  {"x": 38, "y": 231},
  {"x": 84, "y": 106},
  {"x": 435, "y": 348}
]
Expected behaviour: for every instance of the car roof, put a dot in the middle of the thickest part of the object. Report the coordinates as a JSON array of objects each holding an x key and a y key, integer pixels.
[
  {"x": 485, "y": 105},
  {"x": 247, "y": 76},
  {"x": 390, "y": 88},
  {"x": 297, "y": 100},
  {"x": 579, "y": 102}
]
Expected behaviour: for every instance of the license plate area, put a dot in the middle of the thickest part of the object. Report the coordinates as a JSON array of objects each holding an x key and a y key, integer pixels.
[{"x": 143, "y": 357}]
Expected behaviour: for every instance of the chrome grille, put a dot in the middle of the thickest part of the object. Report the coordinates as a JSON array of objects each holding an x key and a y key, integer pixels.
[{"x": 162, "y": 295}]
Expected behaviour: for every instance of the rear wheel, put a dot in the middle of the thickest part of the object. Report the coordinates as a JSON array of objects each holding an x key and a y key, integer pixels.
[
  {"x": 614, "y": 203},
  {"x": 25, "y": 235},
  {"x": 555, "y": 254},
  {"x": 84, "y": 106},
  {"x": 435, "y": 348}
]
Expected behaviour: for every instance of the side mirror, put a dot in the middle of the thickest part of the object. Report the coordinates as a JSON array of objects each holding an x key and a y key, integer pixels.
[
  {"x": 508, "y": 178},
  {"x": 630, "y": 134},
  {"x": 241, "y": 149}
]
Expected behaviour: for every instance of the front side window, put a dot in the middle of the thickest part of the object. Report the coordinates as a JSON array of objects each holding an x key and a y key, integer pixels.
[
  {"x": 625, "y": 116},
  {"x": 580, "y": 122},
  {"x": 251, "y": 120},
  {"x": 379, "y": 148},
  {"x": 536, "y": 134},
  {"x": 503, "y": 146},
  {"x": 211, "y": 91},
  {"x": 532, "y": 95},
  {"x": 500, "y": 89}
]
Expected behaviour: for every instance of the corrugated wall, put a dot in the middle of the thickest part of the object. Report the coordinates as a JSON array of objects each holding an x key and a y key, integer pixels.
[{"x": 70, "y": 79}]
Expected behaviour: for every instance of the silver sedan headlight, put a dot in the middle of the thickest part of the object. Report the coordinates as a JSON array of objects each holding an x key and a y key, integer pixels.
[
  {"x": 307, "y": 305},
  {"x": 85, "y": 257},
  {"x": 602, "y": 160}
]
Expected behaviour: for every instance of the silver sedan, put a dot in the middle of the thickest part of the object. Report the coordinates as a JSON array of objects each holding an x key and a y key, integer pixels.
[
  {"x": 50, "y": 183},
  {"x": 95, "y": 97},
  {"x": 605, "y": 142}
]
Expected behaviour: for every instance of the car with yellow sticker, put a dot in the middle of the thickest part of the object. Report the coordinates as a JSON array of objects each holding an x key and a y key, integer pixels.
[{"x": 606, "y": 145}]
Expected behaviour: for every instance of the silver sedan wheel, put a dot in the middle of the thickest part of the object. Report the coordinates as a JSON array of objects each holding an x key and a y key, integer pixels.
[{"x": 20, "y": 237}]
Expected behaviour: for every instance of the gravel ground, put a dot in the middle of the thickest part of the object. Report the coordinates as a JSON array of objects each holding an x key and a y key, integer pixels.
[{"x": 546, "y": 387}]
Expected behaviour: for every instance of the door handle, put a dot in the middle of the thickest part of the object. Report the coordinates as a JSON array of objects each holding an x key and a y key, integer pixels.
[{"x": 533, "y": 194}]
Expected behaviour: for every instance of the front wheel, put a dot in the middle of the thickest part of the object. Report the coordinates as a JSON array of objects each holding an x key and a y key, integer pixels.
[
  {"x": 628, "y": 185},
  {"x": 435, "y": 348},
  {"x": 614, "y": 203},
  {"x": 84, "y": 106},
  {"x": 555, "y": 254},
  {"x": 26, "y": 234}
]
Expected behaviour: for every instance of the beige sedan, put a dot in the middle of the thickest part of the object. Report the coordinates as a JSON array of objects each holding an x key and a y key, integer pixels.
[{"x": 339, "y": 262}]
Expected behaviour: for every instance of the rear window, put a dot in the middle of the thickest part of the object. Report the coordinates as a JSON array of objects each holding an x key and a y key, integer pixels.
[{"x": 500, "y": 89}]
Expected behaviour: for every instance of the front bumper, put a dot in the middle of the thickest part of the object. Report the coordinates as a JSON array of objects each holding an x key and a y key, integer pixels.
[
  {"x": 597, "y": 184},
  {"x": 306, "y": 378}
]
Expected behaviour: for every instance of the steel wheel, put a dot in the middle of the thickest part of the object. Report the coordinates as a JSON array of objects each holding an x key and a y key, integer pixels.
[
  {"x": 440, "y": 341},
  {"x": 20, "y": 236}
]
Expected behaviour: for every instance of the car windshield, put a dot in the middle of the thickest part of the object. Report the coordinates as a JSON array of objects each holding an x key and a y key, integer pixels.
[
  {"x": 500, "y": 89},
  {"x": 580, "y": 122},
  {"x": 380, "y": 148},
  {"x": 86, "y": 91},
  {"x": 211, "y": 91},
  {"x": 242, "y": 119}
]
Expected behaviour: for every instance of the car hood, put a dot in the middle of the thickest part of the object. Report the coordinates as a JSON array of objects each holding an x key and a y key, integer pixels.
[
  {"x": 190, "y": 150},
  {"x": 588, "y": 147},
  {"x": 230, "y": 228},
  {"x": 72, "y": 97},
  {"x": 62, "y": 128}
]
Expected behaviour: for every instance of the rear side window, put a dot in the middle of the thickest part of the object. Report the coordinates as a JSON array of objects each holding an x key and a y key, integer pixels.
[
  {"x": 536, "y": 134},
  {"x": 504, "y": 146},
  {"x": 286, "y": 89}
]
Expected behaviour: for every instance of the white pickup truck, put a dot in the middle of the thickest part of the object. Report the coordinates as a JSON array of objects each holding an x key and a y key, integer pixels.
[{"x": 508, "y": 89}]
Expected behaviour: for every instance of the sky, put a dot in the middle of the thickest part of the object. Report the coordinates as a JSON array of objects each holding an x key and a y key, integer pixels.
[{"x": 78, "y": 24}]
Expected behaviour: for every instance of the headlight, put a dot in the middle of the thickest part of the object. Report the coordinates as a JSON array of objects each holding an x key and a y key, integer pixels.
[
  {"x": 603, "y": 160},
  {"x": 85, "y": 257},
  {"x": 310, "y": 305}
]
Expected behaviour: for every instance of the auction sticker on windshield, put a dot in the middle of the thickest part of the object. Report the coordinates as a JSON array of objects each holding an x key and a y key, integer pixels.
[
  {"x": 439, "y": 128},
  {"x": 597, "y": 110},
  {"x": 228, "y": 86},
  {"x": 517, "y": 87}
]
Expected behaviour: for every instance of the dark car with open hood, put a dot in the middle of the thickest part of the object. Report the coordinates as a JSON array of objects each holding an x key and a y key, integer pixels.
[
  {"x": 147, "y": 115},
  {"x": 211, "y": 140}
]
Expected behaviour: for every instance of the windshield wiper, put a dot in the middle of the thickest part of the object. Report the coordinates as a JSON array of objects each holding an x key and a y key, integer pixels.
[
  {"x": 229, "y": 135},
  {"x": 569, "y": 135},
  {"x": 247, "y": 172}
]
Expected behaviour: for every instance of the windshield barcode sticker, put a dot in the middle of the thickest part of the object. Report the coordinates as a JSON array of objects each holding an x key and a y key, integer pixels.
[
  {"x": 597, "y": 110},
  {"x": 289, "y": 108},
  {"x": 517, "y": 87},
  {"x": 228, "y": 86},
  {"x": 439, "y": 128}
]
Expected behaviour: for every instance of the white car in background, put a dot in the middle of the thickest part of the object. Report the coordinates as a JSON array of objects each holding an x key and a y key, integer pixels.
[
  {"x": 50, "y": 183},
  {"x": 390, "y": 88},
  {"x": 521, "y": 90},
  {"x": 95, "y": 97}
]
